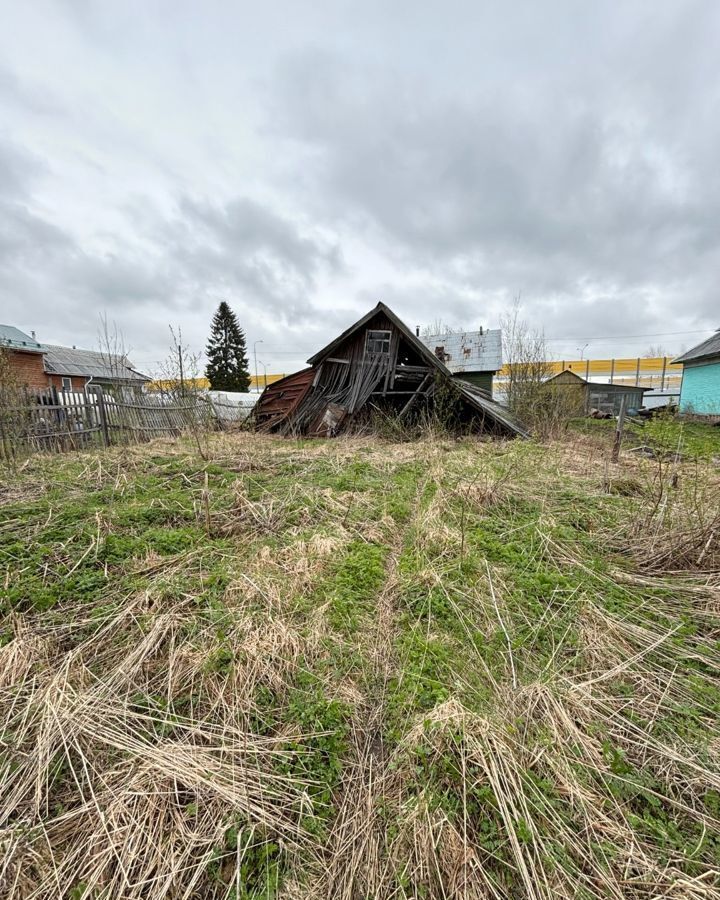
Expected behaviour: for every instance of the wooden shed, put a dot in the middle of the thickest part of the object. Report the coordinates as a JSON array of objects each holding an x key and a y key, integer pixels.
[
  {"x": 583, "y": 396},
  {"x": 377, "y": 366}
]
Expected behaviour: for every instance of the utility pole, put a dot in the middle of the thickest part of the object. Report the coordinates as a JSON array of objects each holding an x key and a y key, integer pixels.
[
  {"x": 180, "y": 363},
  {"x": 257, "y": 385}
]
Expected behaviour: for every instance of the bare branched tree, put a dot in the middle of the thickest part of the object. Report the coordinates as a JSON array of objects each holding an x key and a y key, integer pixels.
[
  {"x": 180, "y": 370},
  {"x": 546, "y": 408},
  {"x": 180, "y": 384},
  {"x": 113, "y": 352},
  {"x": 438, "y": 327},
  {"x": 526, "y": 354}
]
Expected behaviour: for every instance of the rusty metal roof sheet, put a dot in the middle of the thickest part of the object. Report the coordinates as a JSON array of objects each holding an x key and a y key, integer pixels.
[
  {"x": 468, "y": 351},
  {"x": 281, "y": 398}
]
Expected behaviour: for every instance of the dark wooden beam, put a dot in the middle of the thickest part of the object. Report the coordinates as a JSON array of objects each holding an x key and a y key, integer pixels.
[
  {"x": 411, "y": 370},
  {"x": 415, "y": 395}
]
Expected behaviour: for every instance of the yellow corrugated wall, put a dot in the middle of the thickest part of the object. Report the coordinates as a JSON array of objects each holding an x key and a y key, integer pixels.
[
  {"x": 204, "y": 384},
  {"x": 625, "y": 370},
  {"x": 650, "y": 366},
  {"x": 650, "y": 370}
]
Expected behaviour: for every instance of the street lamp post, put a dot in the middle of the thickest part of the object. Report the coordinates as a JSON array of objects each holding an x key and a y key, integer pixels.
[
  {"x": 257, "y": 386},
  {"x": 582, "y": 350},
  {"x": 264, "y": 372}
]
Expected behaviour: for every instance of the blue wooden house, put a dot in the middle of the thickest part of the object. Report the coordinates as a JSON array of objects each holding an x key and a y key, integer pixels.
[{"x": 700, "y": 391}]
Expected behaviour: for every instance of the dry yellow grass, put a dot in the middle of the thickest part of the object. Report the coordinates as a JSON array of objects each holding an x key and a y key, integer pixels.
[{"x": 355, "y": 669}]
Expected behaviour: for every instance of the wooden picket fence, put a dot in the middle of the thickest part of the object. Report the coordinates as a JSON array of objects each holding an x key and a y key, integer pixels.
[{"x": 56, "y": 422}]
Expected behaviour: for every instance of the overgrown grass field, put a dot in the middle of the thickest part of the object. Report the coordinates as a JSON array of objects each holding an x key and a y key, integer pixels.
[{"x": 356, "y": 669}]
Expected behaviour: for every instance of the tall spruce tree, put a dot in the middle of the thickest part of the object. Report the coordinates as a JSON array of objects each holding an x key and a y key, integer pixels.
[{"x": 227, "y": 367}]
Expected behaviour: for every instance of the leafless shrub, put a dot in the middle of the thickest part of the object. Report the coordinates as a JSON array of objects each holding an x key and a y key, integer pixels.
[
  {"x": 544, "y": 407},
  {"x": 114, "y": 353},
  {"x": 15, "y": 419},
  {"x": 180, "y": 384}
]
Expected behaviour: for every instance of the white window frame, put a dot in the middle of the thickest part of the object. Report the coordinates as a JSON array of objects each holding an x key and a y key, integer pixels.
[
  {"x": 377, "y": 336},
  {"x": 67, "y": 384}
]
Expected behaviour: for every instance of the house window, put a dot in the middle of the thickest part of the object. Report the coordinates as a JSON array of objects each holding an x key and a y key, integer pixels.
[
  {"x": 66, "y": 383},
  {"x": 377, "y": 342}
]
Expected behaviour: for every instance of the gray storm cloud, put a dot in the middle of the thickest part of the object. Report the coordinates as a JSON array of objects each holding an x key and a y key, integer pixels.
[
  {"x": 573, "y": 197},
  {"x": 304, "y": 161}
]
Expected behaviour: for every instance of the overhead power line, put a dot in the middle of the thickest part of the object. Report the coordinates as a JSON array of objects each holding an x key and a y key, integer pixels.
[
  {"x": 622, "y": 337},
  {"x": 301, "y": 351}
]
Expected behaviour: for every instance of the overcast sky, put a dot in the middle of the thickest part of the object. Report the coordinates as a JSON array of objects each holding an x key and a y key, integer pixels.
[{"x": 303, "y": 160}]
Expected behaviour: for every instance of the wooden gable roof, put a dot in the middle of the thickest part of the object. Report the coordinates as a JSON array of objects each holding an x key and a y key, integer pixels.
[
  {"x": 406, "y": 332},
  {"x": 477, "y": 398}
]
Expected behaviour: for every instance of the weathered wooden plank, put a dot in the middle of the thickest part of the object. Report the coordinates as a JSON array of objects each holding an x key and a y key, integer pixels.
[{"x": 408, "y": 406}]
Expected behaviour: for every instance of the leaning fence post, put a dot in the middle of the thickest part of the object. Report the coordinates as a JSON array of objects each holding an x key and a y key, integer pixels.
[
  {"x": 102, "y": 414},
  {"x": 619, "y": 430}
]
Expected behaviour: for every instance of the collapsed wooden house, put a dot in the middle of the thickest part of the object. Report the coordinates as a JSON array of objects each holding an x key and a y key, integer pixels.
[{"x": 377, "y": 369}]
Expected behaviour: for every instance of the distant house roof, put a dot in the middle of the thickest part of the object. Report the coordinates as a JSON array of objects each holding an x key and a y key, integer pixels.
[
  {"x": 708, "y": 348},
  {"x": 468, "y": 351},
  {"x": 562, "y": 376},
  {"x": 89, "y": 364},
  {"x": 619, "y": 386},
  {"x": 15, "y": 339}
]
